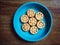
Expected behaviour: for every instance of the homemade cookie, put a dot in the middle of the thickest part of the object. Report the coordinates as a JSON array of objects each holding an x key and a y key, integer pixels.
[
  {"x": 40, "y": 24},
  {"x": 30, "y": 13},
  {"x": 24, "y": 18},
  {"x": 25, "y": 27},
  {"x": 39, "y": 16},
  {"x": 32, "y": 21},
  {"x": 33, "y": 30}
]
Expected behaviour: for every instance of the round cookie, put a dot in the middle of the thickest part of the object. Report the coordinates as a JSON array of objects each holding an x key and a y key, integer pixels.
[
  {"x": 32, "y": 21},
  {"x": 33, "y": 30},
  {"x": 24, "y": 18},
  {"x": 25, "y": 27},
  {"x": 40, "y": 24},
  {"x": 30, "y": 13},
  {"x": 39, "y": 16}
]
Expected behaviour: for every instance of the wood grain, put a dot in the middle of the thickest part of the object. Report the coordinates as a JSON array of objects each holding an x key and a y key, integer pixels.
[{"x": 7, "y": 33}]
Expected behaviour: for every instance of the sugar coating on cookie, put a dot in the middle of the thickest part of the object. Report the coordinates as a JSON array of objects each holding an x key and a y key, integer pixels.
[
  {"x": 39, "y": 15},
  {"x": 33, "y": 30},
  {"x": 30, "y": 13},
  {"x": 24, "y": 18},
  {"x": 32, "y": 21},
  {"x": 25, "y": 27},
  {"x": 40, "y": 24}
]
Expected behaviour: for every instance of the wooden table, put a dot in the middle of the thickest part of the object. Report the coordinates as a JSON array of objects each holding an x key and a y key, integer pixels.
[{"x": 7, "y": 33}]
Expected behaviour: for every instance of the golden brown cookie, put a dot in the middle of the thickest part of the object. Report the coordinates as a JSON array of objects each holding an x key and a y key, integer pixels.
[
  {"x": 24, "y": 18},
  {"x": 39, "y": 16},
  {"x": 32, "y": 21},
  {"x": 30, "y": 13},
  {"x": 25, "y": 27},
  {"x": 33, "y": 30},
  {"x": 40, "y": 24}
]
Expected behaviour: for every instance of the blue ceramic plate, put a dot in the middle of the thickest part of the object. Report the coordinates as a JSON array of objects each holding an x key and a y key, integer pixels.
[{"x": 42, "y": 33}]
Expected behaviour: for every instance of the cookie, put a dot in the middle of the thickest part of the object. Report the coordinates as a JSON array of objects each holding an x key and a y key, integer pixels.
[
  {"x": 33, "y": 30},
  {"x": 32, "y": 21},
  {"x": 39, "y": 16},
  {"x": 25, "y": 27},
  {"x": 40, "y": 24},
  {"x": 30, "y": 13},
  {"x": 24, "y": 18}
]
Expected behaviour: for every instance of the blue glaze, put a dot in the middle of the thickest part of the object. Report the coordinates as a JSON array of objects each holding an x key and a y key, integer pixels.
[{"x": 42, "y": 33}]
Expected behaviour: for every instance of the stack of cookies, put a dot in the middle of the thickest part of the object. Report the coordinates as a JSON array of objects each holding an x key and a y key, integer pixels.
[{"x": 32, "y": 21}]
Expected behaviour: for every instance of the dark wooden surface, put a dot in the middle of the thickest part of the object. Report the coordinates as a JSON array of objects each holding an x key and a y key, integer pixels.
[{"x": 7, "y": 34}]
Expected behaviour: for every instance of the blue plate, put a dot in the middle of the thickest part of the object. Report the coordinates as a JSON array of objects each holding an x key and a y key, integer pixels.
[{"x": 42, "y": 33}]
